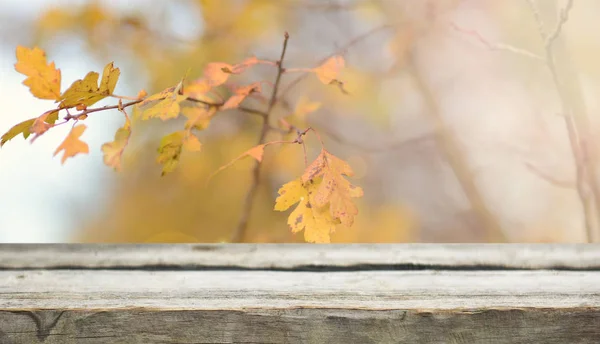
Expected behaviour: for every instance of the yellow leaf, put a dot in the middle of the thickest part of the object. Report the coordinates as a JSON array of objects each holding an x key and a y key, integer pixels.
[
  {"x": 289, "y": 194},
  {"x": 110, "y": 76},
  {"x": 167, "y": 108},
  {"x": 43, "y": 79},
  {"x": 82, "y": 92},
  {"x": 113, "y": 151},
  {"x": 72, "y": 145},
  {"x": 168, "y": 92},
  {"x": 86, "y": 92},
  {"x": 197, "y": 88},
  {"x": 21, "y": 128},
  {"x": 316, "y": 222},
  {"x": 169, "y": 151},
  {"x": 328, "y": 71},
  {"x": 191, "y": 143},
  {"x": 337, "y": 191},
  {"x": 198, "y": 117}
]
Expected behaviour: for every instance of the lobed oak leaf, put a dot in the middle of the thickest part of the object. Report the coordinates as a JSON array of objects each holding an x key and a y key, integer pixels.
[
  {"x": 85, "y": 92},
  {"x": 337, "y": 191},
  {"x": 43, "y": 79},
  {"x": 72, "y": 145},
  {"x": 240, "y": 94},
  {"x": 113, "y": 151},
  {"x": 329, "y": 70},
  {"x": 316, "y": 222},
  {"x": 169, "y": 151},
  {"x": 166, "y": 109}
]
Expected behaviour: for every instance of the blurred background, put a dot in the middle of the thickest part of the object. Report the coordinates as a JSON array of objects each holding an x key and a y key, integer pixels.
[{"x": 466, "y": 120}]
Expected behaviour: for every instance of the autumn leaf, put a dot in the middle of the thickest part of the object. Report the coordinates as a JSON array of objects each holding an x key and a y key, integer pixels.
[
  {"x": 316, "y": 222},
  {"x": 166, "y": 109},
  {"x": 329, "y": 70},
  {"x": 168, "y": 92},
  {"x": 169, "y": 151},
  {"x": 191, "y": 143},
  {"x": 86, "y": 91},
  {"x": 334, "y": 189},
  {"x": 21, "y": 128},
  {"x": 42, "y": 124},
  {"x": 256, "y": 152},
  {"x": 217, "y": 73},
  {"x": 43, "y": 79},
  {"x": 240, "y": 94},
  {"x": 113, "y": 151},
  {"x": 197, "y": 117},
  {"x": 197, "y": 88},
  {"x": 72, "y": 145},
  {"x": 25, "y": 128},
  {"x": 110, "y": 76}
]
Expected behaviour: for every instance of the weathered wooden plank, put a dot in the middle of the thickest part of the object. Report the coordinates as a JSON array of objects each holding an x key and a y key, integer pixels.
[
  {"x": 301, "y": 256},
  {"x": 299, "y": 294},
  {"x": 104, "y": 306}
]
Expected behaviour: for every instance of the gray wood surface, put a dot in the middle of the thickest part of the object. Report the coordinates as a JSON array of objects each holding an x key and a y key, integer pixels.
[
  {"x": 299, "y": 294},
  {"x": 301, "y": 256}
]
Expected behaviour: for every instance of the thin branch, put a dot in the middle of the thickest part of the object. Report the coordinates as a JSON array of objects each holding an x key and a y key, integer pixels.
[
  {"x": 342, "y": 49},
  {"x": 576, "y": 122},
  {"x": 240, "y": 232},
  {"x": 497, "y": 46},
  {"x": 564, "y": 16}
]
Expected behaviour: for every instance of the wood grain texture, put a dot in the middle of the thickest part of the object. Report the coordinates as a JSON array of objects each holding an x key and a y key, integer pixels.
[
  {"x": 301, "y": 256},
  {"x": 265, "y": 294}
]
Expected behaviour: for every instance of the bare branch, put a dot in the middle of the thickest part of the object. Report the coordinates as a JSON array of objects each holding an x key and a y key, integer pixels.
[{"x": 240, "y": 232}]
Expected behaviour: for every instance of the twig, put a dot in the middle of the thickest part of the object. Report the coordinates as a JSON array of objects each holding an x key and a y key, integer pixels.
[
  {"x": 345, "y": 47},
  {"x": 576, "y": 121},
  {"x": 240, "y": 232}
]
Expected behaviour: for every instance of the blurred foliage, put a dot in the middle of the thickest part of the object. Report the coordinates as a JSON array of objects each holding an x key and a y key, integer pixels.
[{"x": 141, "y": 205}]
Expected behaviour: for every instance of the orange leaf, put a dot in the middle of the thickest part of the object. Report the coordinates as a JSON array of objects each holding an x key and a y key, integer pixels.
[
  {"x": 217, "y": 73},
  {"x": 240, "y": 94},
  {"x": 72, "y": 145},
  {"x": 256, "y": 152},
  {"x": 43, "y": 79},
  {"x": 328, "y": 71},
  {"x": 41, "y": 125}
]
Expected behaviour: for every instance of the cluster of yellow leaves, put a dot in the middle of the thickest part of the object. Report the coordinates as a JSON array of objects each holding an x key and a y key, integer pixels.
[
  {"x": 44, "y": 82},
  {"x": 324, "y": 198}
]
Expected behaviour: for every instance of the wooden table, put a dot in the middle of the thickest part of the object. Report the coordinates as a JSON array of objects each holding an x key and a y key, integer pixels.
[{"x": 299, "y": 294}]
